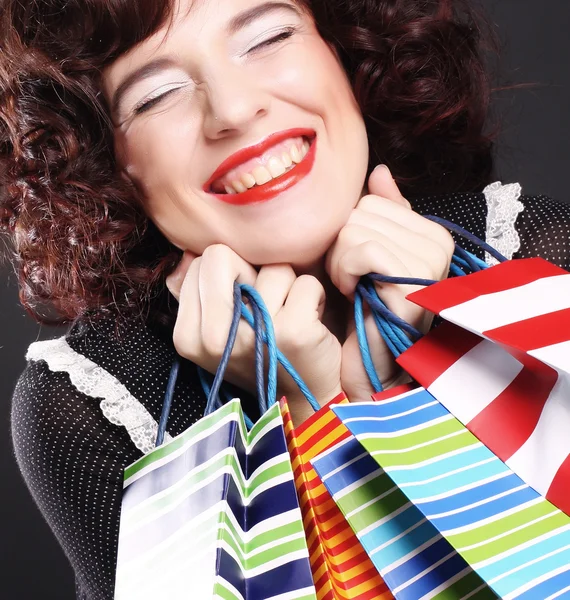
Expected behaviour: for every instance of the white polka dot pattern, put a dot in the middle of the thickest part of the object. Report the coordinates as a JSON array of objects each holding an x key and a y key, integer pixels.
[
  {"x": 72, "y": 458},
  {"x": 117, "y": 404}
]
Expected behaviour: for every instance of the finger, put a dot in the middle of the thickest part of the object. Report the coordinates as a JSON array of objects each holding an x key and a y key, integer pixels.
[
  {"x": 360, "y": 250},
  {"x": 381, "y": 183},
  {"x": 273, "y": 284},
  {"x": 220, "y": 268},
  {"x": 434, "y": 254},
  {"x": 356, "y": 262},
  {"x": 305, "y": 302},
  {"x": 186, "y": 334},
  {"x": 175, "y": 279},
  {"x": 407, "y": 218},
  {"x": 370, "y": 256}
]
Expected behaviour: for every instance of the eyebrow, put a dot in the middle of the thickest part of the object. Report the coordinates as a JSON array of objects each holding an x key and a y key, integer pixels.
[
  {"x": 148, "y": 70},
  {"x": 246, "y": 17},
  {"x": 241, "y": 20}
]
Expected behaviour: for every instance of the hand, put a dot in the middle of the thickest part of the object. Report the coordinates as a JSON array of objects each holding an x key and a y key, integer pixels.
[
  {"x": 383, "y": 235},
  {"x": 204, "y": 287}
]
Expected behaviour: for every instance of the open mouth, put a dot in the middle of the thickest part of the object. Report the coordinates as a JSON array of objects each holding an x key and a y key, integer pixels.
[{"x": 266, "y": 169}]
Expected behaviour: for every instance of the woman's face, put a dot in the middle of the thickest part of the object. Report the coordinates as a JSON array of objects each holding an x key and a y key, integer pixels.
[{"x": 224, "y": 76}]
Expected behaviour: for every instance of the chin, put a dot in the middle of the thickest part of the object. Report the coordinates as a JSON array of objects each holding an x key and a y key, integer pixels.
[{"x": 301, "y": 252}]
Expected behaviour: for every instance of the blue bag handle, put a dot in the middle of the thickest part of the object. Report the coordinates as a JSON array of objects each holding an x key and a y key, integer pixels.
[
  {"x": 397, "y": 333},
  {"x": 262, "y": 324}
]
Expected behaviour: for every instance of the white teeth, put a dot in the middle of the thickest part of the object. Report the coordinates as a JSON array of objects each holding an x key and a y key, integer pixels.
[
  {"x": 238, "y": 186},
  {"x": 248, "y": 180},
  {"x": 262, "y": 175},
  {"x": 275, "y": 167},
  {"x": 295, "y": 154}
]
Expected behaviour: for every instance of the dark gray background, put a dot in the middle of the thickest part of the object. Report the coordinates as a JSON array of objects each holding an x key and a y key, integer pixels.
[{"x": 533, "y": 150}]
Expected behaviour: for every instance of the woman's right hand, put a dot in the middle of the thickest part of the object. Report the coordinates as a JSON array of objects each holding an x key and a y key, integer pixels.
[{"x": 204, "y": 288}]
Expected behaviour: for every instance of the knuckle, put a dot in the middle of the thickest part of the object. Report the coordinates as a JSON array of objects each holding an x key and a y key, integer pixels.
[
  {"x": 444, "y": 240},
  {"x": 217, "y": 252},
  {"x": 308, "y": 282},
  {"x": 348, "y": 235},
  {"x": 448, "y": 243},
  {"x": 369, "y": 202},
  {"x": 183, "y": 342},
  {"x": 214, "y": 340},
  {"x": 290, "y": 338}
]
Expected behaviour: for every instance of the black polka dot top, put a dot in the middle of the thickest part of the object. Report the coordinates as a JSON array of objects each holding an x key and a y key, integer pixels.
[{"x": 87, "y": 404}]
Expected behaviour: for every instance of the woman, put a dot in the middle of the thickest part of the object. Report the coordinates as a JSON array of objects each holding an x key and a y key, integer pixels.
[{"x": 216, "y": 140}]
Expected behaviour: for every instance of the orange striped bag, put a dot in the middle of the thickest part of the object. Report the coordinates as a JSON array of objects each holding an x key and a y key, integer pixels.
[{"x": 341, "y": 568}]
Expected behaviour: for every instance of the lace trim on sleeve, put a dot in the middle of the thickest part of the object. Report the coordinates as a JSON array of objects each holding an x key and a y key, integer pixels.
[
  {"x": 503, "y": 208},
  {"x": 118, "y": 405}
]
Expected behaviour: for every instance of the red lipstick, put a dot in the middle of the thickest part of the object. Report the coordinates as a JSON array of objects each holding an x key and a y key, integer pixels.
[{"x": 267, "y": 191}]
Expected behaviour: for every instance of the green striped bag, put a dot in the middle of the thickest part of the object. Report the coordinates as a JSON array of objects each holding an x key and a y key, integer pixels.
[
  {"x": 214, "y": 513},
  {"x": 503, "y": 532}
]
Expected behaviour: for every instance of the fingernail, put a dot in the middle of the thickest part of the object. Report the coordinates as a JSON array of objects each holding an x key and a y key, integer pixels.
[{"x": 384, "y": 167}]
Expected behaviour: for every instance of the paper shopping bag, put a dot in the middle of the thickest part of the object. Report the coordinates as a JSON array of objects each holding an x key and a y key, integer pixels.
[
  {"x": 410, "y": 554},
  {"x": 214, "y": 513},
  {"x": 513, "y": 538},
  {"x": 501, "y": 365},
  {"x": 341, "y": 567}
]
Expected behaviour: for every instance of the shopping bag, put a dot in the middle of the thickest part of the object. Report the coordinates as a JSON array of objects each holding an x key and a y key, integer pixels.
[
  {"x": 501, "y": 364},
  {"x": 213, "y": 512},
  {"x": 408, "y": 551},
  {"x": 514, "y": 539},
  {"x": 341, "y": 568}
]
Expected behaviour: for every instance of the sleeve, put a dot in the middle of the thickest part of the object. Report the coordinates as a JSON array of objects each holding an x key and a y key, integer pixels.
[
  {"x": 544, "y": 230},
  {"x": 72, "y": 460}
]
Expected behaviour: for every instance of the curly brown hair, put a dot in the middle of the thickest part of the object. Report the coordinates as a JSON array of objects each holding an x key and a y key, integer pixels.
[{"x": 81, "y": 241}]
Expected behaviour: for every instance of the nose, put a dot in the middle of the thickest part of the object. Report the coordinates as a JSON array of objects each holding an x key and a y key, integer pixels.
[{"x": 234, "y": 102}]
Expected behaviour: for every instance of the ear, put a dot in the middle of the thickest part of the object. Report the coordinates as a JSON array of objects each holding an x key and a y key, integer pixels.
[{"x": 381, "y": 183}]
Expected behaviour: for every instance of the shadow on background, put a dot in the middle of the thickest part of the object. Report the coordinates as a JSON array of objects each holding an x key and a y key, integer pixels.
[{"x": 533, "y": 151}]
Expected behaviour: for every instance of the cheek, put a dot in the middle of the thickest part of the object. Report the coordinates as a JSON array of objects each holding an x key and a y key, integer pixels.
[{"x": 153, "y": 153}]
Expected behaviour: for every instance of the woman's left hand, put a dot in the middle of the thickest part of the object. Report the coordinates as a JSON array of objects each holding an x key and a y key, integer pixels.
[{"x": 384, "y": 235}]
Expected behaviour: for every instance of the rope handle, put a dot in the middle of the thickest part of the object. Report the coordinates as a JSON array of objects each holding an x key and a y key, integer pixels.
[
  {"x": 397, "y": 333},
  {"x": 259, "y": 319}
]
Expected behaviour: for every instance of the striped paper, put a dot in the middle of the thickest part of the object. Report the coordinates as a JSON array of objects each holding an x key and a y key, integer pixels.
[
  {"x": 501, "y": 365},
  {"x": 515, "y": 540},
  {"x": 412, "y": 557},
  {"x": 340, "y": 565},
  {"x": 214, "y": 513}
]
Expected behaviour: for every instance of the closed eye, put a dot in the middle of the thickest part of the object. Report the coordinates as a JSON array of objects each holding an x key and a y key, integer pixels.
[
  {"x": 149, "y": 103},
  {"x": 274, "y": 40}
]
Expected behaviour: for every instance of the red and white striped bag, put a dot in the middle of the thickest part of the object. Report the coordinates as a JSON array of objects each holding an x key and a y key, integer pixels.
[{"x": 501, "y": 365}]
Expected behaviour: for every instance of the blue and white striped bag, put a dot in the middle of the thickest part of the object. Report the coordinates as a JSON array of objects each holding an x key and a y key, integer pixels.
[{"x": 213, "y": 513}]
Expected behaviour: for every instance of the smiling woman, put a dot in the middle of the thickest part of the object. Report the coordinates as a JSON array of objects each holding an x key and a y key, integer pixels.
[
  {"x": 254, "y": 75},
  {"x": 154, "y": 152}
]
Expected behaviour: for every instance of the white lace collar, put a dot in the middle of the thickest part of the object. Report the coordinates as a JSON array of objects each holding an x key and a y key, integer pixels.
[
  {"x": 503, "y": 208},
  {"x": 118, "y": 405}
]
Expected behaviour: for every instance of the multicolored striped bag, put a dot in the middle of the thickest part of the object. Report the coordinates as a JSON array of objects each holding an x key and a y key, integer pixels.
[
  {"x": 501, "y": 365},
  {"x": 408, "y": 551},
  {"x": 513, "y": 538},
  {"x": 341, "y": 567},
  {"x": 507, "y": 378}
]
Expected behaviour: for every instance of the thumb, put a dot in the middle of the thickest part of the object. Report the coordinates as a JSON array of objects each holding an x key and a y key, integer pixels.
[
  {"x": 381, "y": 183},
  {"x": 176, "y": 278}
]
